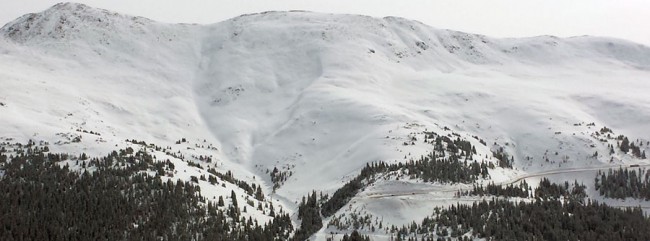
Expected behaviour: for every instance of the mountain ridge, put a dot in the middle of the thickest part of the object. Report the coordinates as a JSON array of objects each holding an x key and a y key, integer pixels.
[{"x": 66, "y": 20}]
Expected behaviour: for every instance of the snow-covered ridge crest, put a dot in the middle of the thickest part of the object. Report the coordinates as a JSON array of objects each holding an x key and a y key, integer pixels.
[{"x": 400, "y": 40}]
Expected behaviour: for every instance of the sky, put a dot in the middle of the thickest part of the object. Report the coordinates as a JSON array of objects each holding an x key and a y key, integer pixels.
[{"x": 626, "y": 19}]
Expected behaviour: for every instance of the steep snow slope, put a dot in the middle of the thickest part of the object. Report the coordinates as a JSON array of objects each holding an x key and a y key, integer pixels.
[
  {"x": 322, "y": 91},
  {"x": 317, "y": 95}
]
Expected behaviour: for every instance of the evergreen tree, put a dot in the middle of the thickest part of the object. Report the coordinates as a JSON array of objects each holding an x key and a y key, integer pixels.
[
  {"x": 233, "y": 197},
  {"x": 625, "y": 145},
  {"x": 220, "y": 203}
]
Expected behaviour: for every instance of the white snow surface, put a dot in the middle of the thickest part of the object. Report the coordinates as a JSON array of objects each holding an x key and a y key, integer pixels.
[{"x": 318, "y": 94}]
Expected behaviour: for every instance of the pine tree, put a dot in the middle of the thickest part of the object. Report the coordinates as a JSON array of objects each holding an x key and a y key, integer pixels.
[
  {"x": 258, "y": 194},
  {"x": 233, "y": 196},
  {"x": 625, "y": 145},
  {"x": 220, "y": 203}
]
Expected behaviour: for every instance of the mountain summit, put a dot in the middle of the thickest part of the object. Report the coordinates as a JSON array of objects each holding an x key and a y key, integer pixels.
[{"x": 63, "y": 21}]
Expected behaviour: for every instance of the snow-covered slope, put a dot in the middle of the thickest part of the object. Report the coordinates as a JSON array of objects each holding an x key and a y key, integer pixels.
[{"x": 315, "y": 95}]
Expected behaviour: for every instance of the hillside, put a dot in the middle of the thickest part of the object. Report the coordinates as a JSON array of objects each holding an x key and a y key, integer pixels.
[{"x": 318, "y": 96}]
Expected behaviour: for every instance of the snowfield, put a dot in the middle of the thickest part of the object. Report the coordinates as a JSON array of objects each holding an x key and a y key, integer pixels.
[{"x": 319, "y": 96}]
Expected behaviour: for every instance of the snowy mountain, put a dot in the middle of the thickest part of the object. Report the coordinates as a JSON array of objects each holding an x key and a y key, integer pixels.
[{"x": 318, "y": 96}]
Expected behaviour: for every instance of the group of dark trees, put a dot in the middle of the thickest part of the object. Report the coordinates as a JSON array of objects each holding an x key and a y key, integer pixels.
[
  {"x": 545, "y": 189},
  {"x": 456, "y": 147},
  {"x": 343, "y": 195},
  {"x": 354, "y": 236},
  {"x": 355, "y": 219},
  {"x": 502, "y": 158},
  {"x": 548, "y": 190},
  {"x": 463, "y": 149},
  {"x": 623, "y": 183},
  {"x": 309, "y": 212},
  {"x": 252, "y": 190},
  {"x": 444, "y": 170},
  {"x": 521, "y": 190},
  {"x": 309, "y": 215},
  {"x": 544, "y": 218},
  {"x": 115, "y": 198},
  {"x": 628, "y": 146},
  {"x": 539, "y": 220},
  {"x": 279, "y": 177}
]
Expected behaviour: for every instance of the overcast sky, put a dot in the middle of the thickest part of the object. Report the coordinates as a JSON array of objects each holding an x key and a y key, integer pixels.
[{"x": 627, "y": 19}]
